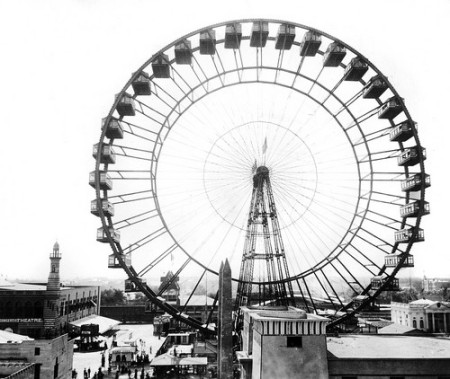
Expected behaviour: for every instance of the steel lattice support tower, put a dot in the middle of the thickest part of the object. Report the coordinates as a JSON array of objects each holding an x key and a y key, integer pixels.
[{"x": 263, "y": 241}]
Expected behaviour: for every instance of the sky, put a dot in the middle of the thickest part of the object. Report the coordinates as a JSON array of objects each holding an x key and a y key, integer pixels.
[{"x": 63, "y": 62}]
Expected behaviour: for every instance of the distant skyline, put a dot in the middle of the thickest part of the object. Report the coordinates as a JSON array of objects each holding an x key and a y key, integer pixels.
[{"x": 64, "y": 62}]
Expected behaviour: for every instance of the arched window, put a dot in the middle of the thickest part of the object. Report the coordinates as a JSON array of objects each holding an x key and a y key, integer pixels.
[
  {"x": 414, "y": 323},
  {"x": 421, "y": 324}
]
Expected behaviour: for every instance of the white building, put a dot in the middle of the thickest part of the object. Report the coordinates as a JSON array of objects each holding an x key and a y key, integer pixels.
[
  {"x": 434, "y": 284},
  {"x": 427, "y": 315}
]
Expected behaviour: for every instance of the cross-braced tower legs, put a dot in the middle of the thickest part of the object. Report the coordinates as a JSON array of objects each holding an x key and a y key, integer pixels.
[{"x": 263, "y": 252}]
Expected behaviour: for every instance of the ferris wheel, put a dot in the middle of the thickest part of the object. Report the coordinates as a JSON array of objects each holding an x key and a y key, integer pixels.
[{"x": 179, "y": 149}]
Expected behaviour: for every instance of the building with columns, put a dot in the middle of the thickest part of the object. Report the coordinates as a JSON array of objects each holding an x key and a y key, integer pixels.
[
  {"x": 427, "y": 315},
  {"x": 45, "y": 310}
]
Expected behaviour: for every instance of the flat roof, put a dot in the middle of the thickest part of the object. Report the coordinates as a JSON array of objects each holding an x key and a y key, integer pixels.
[
  {"x": 104, "y": 323},
  {"x": 23, "y": 287},
  {"x": 203, "y": 348},
  {"x": 8, "y": 337},
  {"x": 181, "y": 349},
  {"x": 368, "y": 346},
  {"x": 14, "y": 286},
  {"x": 170, "y": 360},
  {"x": 265, "y": 315}
]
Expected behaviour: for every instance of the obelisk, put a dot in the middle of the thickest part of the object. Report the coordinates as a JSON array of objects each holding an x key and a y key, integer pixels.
[{"x": 225, "y": 351}]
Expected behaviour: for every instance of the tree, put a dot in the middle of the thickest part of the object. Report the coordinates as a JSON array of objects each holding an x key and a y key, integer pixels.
[
  {"x": 405, "y": 296},
  {"x": 445, "y": 295},
  {"x": 112, "y": 296}
]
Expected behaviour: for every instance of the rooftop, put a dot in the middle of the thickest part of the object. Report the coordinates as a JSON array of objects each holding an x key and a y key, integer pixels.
[
  {"x": 291, "y": 314},
  {"x": 104, "y": 323},
  {"x": 123, "y": 349},
  {"x": 387, "y": 347},
  {"x": 169, "y": 360},
  {"x": 398, "y": 329},
  {"x": 10, "y": 286},
  {"x": 423, "y": 302},
  {"x": 8, "y": 337},
  {"x": 13, "y": 286}
]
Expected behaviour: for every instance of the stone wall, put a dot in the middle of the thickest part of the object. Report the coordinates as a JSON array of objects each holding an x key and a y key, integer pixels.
[
  {"x": 48, "y": 355},
  {"x": 277, "y": 360}
]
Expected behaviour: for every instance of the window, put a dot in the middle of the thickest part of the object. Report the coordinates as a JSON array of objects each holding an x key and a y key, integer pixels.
[
  {"x": 294, "y": 341},
  {"x": 37, "y": 351},
  {"x": 421, "y": 324},
  {"x": 414, "y": 323}
]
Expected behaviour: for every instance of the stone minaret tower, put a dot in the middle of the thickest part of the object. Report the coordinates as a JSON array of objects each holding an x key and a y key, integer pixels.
[{"x": 51, "y": 307}]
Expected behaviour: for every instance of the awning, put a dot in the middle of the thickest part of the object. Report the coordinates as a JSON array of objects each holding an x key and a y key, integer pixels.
[
  {"x": 123, "y": 349},
  {"x": 170, "y": 360},
  {"x": 104, "y": 323}
]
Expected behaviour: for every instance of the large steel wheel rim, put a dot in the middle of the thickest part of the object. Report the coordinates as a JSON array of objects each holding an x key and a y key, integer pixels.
[{"x": 374, "y": 160}]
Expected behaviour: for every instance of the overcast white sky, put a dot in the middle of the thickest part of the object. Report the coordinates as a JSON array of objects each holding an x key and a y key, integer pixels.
[{"x": 63, "y": 61}]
